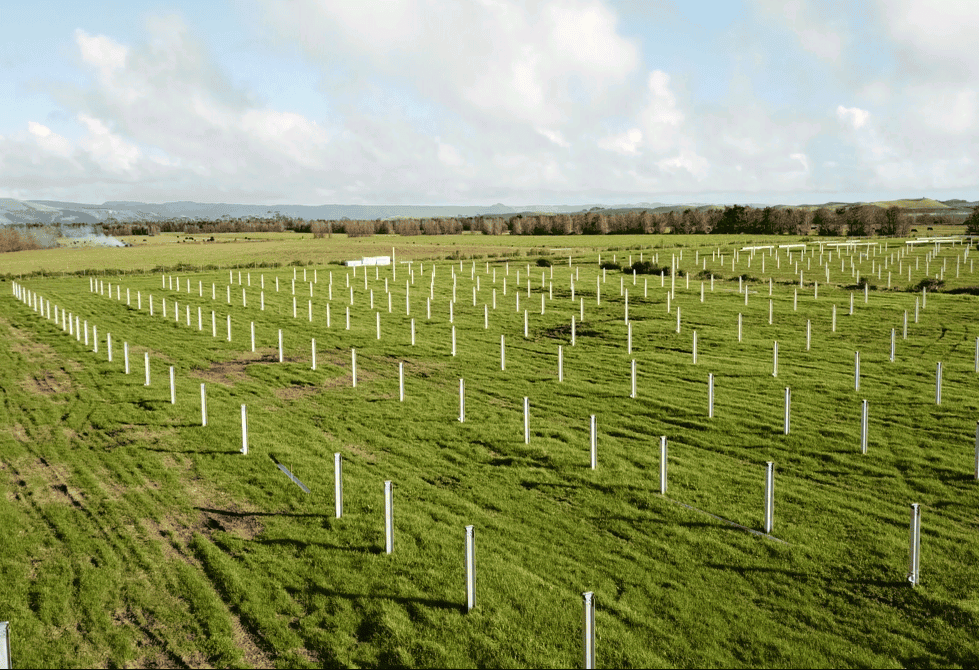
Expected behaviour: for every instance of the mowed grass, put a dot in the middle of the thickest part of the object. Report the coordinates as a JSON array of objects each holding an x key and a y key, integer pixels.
[{"x": 136, "y": 536}]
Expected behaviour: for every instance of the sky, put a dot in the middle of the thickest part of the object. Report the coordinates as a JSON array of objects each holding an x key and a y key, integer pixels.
[{"x": 475, "y": 102}]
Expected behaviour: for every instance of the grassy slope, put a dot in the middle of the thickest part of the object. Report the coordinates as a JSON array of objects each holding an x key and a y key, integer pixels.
[{"x": 143, "y": 538}]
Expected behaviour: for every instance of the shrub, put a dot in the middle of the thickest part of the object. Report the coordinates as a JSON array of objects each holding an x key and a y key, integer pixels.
[
  {"x": 609, "y": 265},
  {"x": 930, "y": 284},
  {"x": 705, "y": 274},
  {"x": 644, "y": 268},
  {"x": 543, "y": 263}
]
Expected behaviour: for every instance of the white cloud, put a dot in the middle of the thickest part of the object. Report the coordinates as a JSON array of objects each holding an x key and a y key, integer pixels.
[
  {"x": 49, "y": 141},
  {"x": 624, "y": 143},
  {"x": 852, "y": 116}
]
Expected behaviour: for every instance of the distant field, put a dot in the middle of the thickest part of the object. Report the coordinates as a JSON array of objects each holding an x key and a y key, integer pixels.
[
  {"x": 232, "y": 250},
  {"x": 136, "y": 537}
]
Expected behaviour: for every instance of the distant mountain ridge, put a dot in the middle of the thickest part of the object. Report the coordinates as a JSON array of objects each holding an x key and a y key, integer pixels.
[{"x": 68, "y": 214}]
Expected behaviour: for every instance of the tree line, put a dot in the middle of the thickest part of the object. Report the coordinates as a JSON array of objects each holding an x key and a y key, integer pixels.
[{"x": 847, "y": 220}]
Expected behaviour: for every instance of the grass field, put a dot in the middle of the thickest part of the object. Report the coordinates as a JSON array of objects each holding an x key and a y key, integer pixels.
[{"x": 135, "y": 536}]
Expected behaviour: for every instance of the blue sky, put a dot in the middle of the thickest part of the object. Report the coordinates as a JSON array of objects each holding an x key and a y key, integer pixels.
[{"x": 456, "y": 102}]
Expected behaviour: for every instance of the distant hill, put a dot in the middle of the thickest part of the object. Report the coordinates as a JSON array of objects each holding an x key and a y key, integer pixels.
[
  {"x": 74, "y": 215},
  {"x": 920, "y": 203}
]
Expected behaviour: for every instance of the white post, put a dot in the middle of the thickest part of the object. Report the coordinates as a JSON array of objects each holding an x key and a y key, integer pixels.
[
  {"x": 788, "y": 411},
  {"x": 808, "y": 334},
  {"x": 485, "y": 317},
  {"x": 281, "y": 357},
  {"x": 864, "y": 416},
  {"x": 560, "y": 363},
  {"x": 108, "y": 342},
  {"x": 377, "y": 319},
  {"x": 173, "y": 388},
  {"x": 462, "y": 401},
  {"x": 851, "y": 303},
  {"x": 632, "y": 393},
  {"x": 526, "y": 420},
  {"x": 710, "y": 395},
  {"x": 388, "y": 517},
  {"x": 229, "y": 327},
  {"x": 662, "y": 464},
  {"x": 914, "y": 570},
  {"x": 775, "y": 359},
  {"x": 312, "y": 345},
  {"x": 412, "y": 332},
  {"x": 470, "y": 568},
  {"x": 337, "y": 485},
  {"x": 938, "y": 384},
  {"x": 856, "y": 371},
  {"x": 453, "y": 340},
  {"x": 593, "y": 424},
  {"x": 588, "y": 630},
  {"x": 244, "y": 430},
  {"x": 677, "y": 319},
  {"x": 502, "y": 352},
  {"x": 125, "y": 355},
  {"x": 203, "y": 406},
  {"x": 353, "y": 367},
  {"x": 893, "y": 343},
  {"x": 629, "y": 338},
  {"x": 214, "y": 325},
  {"x": 401, "y": 381},
  {"x": 146, "y": 365},
  {"x": 573, "y": 340},
  {"x": 525, "y": 329},
  {"x": 769, "y": 496},
  {"x": 695, "y": 347}
]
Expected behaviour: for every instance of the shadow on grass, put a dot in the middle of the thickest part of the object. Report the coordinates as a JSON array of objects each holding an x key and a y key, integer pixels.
[
  {"x": 303, "y": 544},
  {"x": 228, "y": 452},
  {"x": 242, "y": 515},
  {"x": 402, "y": 600}
]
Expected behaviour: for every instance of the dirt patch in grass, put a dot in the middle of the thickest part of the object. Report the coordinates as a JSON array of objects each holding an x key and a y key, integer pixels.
[
  {"x": 234, "y": 520},
  {"x": 360, "y": 451},
  {"x": 297, "y": 392},
  {"x": 47, "y": 382}
]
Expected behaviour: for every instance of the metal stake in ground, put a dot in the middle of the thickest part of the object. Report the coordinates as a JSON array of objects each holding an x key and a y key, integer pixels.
[
  {"x": 125, "y": 355},
  {"x": 593, "y": 441},
  {"x": 526, "y": 420},
  {"x": 788, "y": 410},
  {"x": 775, "y": 359},
  {"x": 856, "y": 371},
  {"x": 769, "y": 496},
  {"x": 588, "y": 630},
  {"x": 632, "y": 393},
  {"x": 173, "y": 388},
  {"x": 203, "y": 406},
  {"x": 146, "y": 364},
  {"x": 662, "y": 464},
  {"x": 864, "y": 416},
  {"x": 244, "y": 430},
  {"x": 337, "y": 485},
  {"x": 388, "y": 517},
  {"x": 462, "y": 401},
  {"x": 938, "y": 384},
  {"x": 560, "y": 363},
  {"x": 914, "y": 569},
  {"x": 502, "y": 352},
  {"x": 710, "y": 395},
  {"x": 470, "y": 568}
]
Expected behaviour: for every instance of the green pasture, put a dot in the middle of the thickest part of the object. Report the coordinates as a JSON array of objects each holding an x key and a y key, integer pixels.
[{"x": 136, "y": 537}]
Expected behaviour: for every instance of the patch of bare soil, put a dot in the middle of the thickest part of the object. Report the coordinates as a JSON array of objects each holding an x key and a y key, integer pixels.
[
  {"x": 47, "y": 382},
  {"x": 297, "y": 392}
]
